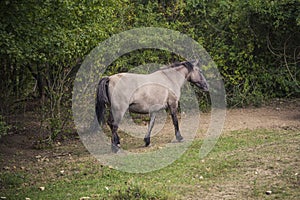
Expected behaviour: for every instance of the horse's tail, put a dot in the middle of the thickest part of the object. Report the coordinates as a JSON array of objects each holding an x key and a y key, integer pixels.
[{"x": 102, "y": 99}]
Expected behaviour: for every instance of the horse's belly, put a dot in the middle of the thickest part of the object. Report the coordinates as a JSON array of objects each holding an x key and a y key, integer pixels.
[
  {"x": 147, "y": 100},
  {"x": 145, "y": 108}
]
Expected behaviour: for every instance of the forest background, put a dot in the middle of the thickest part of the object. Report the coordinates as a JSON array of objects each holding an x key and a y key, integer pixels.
[{"x": 255, "y": 44}]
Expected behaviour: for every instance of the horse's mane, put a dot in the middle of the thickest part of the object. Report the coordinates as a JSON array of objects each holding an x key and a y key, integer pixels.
[{"x": 187, "y": 64}]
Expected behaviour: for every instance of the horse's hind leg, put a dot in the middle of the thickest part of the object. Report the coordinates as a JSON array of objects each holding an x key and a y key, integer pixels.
[
  {"x": 151, "y": 124},
  {"x": 115, "y": 140},
  {"x": 110, "y": 120}
]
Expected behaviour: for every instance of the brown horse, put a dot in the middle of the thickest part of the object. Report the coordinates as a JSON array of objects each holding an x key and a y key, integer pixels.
[{"x": 146, "y": 94}]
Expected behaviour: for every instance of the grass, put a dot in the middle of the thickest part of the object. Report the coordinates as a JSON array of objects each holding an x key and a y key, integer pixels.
[{"x": 243, "y": 165}]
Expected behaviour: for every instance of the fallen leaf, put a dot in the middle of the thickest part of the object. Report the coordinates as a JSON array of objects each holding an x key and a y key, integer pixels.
[
  {"x": 42, "y": 188},
  {"x": 268, "y": 192},
  {"x": 84, "y": 198}
]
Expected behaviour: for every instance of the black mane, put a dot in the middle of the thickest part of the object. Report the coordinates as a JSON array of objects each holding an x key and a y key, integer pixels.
[{"x": 187, "y": 64}]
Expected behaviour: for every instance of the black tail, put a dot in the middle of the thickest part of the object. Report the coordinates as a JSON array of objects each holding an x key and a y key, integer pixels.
[{"x": 102, "y": 99}]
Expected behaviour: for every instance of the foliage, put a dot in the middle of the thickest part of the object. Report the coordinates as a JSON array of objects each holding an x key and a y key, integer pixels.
[
  {"x": 43, "y": 43},
  {"x": 254, "y": 43},
  {"x": 3, "y": 127}
]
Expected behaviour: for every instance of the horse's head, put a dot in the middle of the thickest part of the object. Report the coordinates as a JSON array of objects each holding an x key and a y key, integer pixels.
[{"x": 196, "y": 77}]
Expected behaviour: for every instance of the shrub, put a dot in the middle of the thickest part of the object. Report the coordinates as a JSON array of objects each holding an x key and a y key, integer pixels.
[{"x": 3, "y": 127}]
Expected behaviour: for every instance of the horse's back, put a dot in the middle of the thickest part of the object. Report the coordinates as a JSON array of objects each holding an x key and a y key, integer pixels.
[
  {"x": 143, "y": 93},
  {"x": 123, "y": 85}
]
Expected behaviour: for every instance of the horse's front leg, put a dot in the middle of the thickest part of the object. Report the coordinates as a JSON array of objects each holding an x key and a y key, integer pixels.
[
  {"x": 151, "y": 124},
  {"x": 173, "y": 109}
]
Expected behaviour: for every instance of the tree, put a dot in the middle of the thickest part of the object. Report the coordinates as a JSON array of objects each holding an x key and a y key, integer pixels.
[
  {"x": 254, "y": 43},
  {"x": 48, "y": 40},
  {"x": 42, "y": 43}
]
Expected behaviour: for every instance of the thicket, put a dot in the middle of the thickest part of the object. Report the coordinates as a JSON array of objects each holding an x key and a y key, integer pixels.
[{"x": 255, "y": 43}]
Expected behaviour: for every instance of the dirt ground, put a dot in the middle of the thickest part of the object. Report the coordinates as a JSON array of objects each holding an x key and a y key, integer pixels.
[
  {"x": 280, "y": 114},
  {"x": 18, "y": 149}
]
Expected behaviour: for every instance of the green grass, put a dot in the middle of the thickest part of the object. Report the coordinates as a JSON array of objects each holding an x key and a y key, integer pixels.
[
  {"x": 244, "y": 164},
  {"x": 12, "y": 180}
]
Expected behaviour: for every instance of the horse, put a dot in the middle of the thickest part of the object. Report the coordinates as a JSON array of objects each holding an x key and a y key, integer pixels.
[{"x": 145, "y": 94}]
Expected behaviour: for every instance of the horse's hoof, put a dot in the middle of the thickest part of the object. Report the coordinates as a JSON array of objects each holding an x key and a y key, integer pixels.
[
  {"x": 115, "y": 148},
  {"x": 179, "y": 138},
  {"x": 147, "y": 141}
]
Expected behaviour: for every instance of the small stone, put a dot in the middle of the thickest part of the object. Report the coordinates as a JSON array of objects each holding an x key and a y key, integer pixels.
[
  {"x": 42, "y": 188},
  {"x": 62, "y": 172},
  {"x": 268, "y": 192},
  {"x": 201, "y": 177},
  {"x": 84, "y": 198}
]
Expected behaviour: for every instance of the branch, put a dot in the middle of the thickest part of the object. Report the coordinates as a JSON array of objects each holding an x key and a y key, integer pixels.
[
  {"x": 32, "y": 71},
  {"x": 286, "y": 63},
  {"x": 270, "y": 47}
]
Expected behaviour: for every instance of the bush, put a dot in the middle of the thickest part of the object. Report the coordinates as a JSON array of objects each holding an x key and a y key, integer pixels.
[{"x": 3, "y": 127}]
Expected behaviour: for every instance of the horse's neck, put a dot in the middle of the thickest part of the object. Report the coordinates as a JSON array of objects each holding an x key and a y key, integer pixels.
[
  {"x": 178, "y": 75},
  {"x": 175, "y": 78}
]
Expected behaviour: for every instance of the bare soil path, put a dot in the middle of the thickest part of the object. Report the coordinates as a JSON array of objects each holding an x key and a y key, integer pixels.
[
  {"x": 19, "y": 148},
  {"x": 278, "y": 115}
]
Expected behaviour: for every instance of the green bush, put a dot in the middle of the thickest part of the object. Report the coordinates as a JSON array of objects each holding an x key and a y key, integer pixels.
[
  {"x": 3, "y": 127},
  {"x": 254, "y": 43}
]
